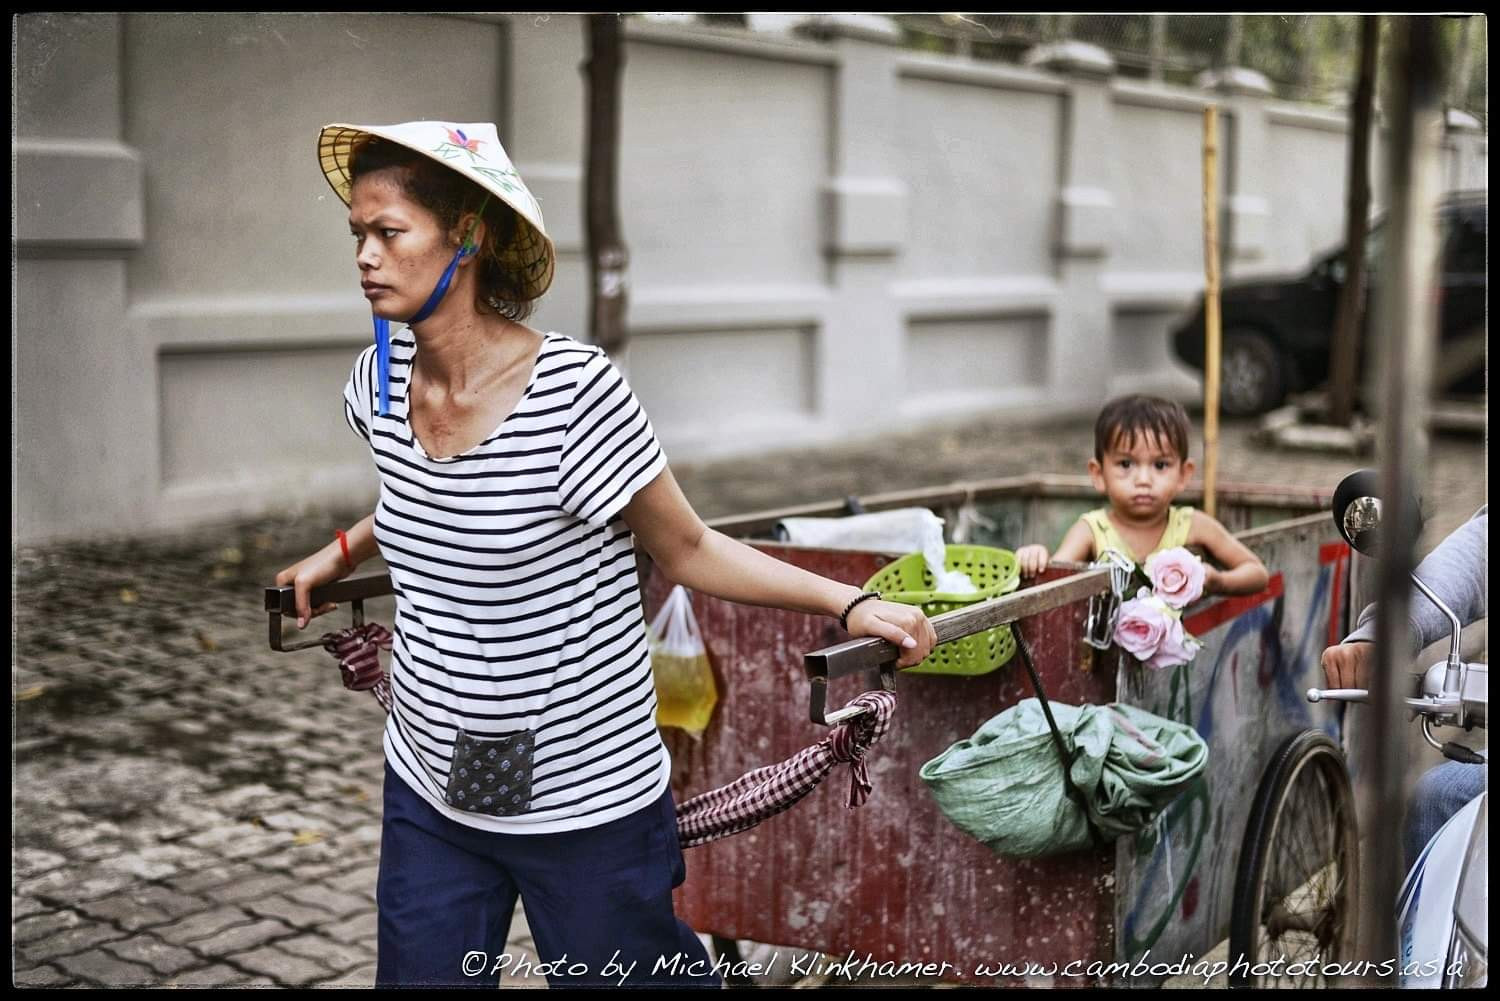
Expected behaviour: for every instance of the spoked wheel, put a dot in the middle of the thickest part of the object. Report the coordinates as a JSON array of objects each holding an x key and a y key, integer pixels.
[{"x": 1296, "y": 891}]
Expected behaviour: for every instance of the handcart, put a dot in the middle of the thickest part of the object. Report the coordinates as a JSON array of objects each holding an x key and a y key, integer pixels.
[{"x": 1266, "y": 836}]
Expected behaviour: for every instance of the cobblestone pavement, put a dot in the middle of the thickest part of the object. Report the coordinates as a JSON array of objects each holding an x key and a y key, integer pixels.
[{"x": 190, "y": 808}]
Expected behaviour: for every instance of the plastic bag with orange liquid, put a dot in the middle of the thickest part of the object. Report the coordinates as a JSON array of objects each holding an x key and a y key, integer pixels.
[{"x": 685, "y": 690}]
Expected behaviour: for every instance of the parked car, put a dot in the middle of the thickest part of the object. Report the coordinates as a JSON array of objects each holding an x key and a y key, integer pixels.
[{"x": 1277, "y": 332}]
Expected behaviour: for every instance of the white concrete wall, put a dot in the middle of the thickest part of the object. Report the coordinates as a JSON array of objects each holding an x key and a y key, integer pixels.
[{"x": 828, "y": 238}]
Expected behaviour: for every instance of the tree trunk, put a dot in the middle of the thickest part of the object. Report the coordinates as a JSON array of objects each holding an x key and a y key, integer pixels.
[
  {"x": 1158, "y": 47},
  {"x": 607, "y": 256},
  {"x": 1348, "y": 322},
  {"x": 1234, "y": 41},
  {"x": 1464, "y": 65}
]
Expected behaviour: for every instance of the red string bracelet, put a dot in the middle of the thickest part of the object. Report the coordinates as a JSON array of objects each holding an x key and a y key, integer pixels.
[{"x": 344, "y": 546}]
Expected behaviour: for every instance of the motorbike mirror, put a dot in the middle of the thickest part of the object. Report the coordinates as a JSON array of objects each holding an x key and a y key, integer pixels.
[{"x": 1356, "y": 510}]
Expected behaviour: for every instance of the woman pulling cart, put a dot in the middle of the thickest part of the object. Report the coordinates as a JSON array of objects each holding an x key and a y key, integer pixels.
[{"x": 517, "y": 470}]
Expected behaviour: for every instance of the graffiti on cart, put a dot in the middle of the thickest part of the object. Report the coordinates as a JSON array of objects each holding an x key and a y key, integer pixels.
[{"x": 1171, "y": 879}]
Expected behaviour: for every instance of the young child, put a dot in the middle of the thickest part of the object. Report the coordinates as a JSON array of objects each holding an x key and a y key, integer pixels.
[{"x": 1140, "y": 463}]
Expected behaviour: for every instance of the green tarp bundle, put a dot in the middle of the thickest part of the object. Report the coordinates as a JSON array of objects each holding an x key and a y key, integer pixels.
[{"x": 1004, "y": 784}]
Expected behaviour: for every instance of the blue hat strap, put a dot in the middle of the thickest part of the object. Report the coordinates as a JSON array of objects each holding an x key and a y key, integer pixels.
[
  {"x": 383, "y": 326},
  {"x": 383, "y": 362},
  {"x": 465, "y": 249}
]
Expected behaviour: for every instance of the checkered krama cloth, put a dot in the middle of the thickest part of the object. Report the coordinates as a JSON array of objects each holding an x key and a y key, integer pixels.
[
  {"x": 358, "y": 650},
  {"x": 768, "y": 791}
]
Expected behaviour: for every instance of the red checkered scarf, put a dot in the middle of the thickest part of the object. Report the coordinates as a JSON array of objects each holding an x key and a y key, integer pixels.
[
  {"x": 730, "y": 809},
  {"x": 768, "y": 791},
  {"x": 358, "y": 650}
]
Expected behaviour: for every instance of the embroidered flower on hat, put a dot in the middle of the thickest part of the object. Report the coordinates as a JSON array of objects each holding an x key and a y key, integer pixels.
[{"x": 463, "y": 142}]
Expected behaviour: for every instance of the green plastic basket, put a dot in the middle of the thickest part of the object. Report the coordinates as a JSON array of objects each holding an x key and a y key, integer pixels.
[{"x": 993, "y": 571}]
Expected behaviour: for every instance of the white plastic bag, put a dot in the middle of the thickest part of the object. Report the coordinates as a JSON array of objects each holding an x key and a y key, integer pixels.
[
  {"x": 685, "y": 690},
  {"x": 900, "y": 530}
]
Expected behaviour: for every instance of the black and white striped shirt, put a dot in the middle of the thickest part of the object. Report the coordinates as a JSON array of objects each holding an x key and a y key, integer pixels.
[{"x": 517, "y": 602}]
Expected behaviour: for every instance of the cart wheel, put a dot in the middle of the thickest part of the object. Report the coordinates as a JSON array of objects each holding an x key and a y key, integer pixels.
[
  {"x": 1296, "y": 891},
  {"x": 728, "y": 950}
]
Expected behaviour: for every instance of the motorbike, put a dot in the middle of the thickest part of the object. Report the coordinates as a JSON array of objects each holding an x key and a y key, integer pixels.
[{"x": 1442, "y": 910}]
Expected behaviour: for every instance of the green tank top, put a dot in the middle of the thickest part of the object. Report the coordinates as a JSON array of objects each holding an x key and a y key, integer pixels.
[{"x": 1106, "y": 536}]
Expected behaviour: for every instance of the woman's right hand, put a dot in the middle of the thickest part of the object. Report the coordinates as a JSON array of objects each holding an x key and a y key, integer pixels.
[
  {"x": 323, "y": 567},
  {"x": 1031, "y": 560}
]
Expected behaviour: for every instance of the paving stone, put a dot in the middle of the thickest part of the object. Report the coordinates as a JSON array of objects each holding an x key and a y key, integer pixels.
[
  {"x": 217, "y": 975},
  {"x": 132, "y": 864},
  {"x": 85, "y": 935},
  {"x": 187, "y": 819},
  {"x": 25, "y": 907},
  {"x": 319, "y": 872},
  {"x": 209, "y": 878},
  {"x": 150, "y": 898},
  {"x": 43, "y": 976},
  {"x": 241, "y": 937},
  {"x": 519, "y": 926},
  {"x": 360, "y": 882},
  {"x": 334, "y": 901},
  {"x": 282, "y": 966},
  {"x": 238, "y": 841},
  {"x": 292, "y": 821},
  {"x": 71, "y": 884},
  {"x": 332, "y": 954},
  {"x": 201, "y": 926},
  {"x": 28, "y": 862},
  {"x": 40, "y": 926},
  {"x": 288, "y": 911},
  {"x": 252, "y": 887},
  {"x": 97, "y": 851},
  {"x": 123, "y": 912},
  {"x": 181, "y": 857},
  {"x": 359, "y": 929},
  {"x": 361, "y": 976},
  {"x": 106, "y": 970},
  {"x": 253, "y": 797},
  {"x": 151, "y": 951}
]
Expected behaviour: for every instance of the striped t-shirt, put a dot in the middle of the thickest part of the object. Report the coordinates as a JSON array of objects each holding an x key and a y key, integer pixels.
[{"x": 517, "y": 602}]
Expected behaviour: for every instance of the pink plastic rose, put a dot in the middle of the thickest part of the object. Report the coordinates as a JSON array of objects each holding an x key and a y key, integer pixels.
[
  {"x": 1143, "y": 624},
  {"x": 1177, "y": 576},
  {"x": 1177, "y": 647}
]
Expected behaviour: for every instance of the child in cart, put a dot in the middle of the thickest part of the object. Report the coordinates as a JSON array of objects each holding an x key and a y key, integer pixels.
[{"x": 1141, "y": 464}]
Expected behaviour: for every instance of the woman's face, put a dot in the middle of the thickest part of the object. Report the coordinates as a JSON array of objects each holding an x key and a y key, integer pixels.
[{"x": 400, "y": 247}]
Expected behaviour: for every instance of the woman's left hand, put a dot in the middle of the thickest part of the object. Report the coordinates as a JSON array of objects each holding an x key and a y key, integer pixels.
[{"x": 903, "y": 625}]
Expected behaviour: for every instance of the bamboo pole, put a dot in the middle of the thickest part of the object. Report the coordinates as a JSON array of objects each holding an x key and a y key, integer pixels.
[{"x": 1211, "y": 360}]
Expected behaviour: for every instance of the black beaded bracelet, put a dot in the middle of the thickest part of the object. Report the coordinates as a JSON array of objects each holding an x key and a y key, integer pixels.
[{"x": 844, "y": 619}]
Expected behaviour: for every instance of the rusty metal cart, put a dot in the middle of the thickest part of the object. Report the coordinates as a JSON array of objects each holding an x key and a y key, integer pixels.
[{"x": 894, "y": 882}]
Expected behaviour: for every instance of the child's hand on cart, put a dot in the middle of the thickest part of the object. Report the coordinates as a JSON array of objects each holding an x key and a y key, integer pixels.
[
  {"x": 1031, "y": 560},
  {"x": 903, "y": 625}
]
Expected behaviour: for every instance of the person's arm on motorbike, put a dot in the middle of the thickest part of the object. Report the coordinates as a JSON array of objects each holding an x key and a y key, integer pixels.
[
  {"x": 326, "y": 566},
  {"x": 1457, "y": 570}
]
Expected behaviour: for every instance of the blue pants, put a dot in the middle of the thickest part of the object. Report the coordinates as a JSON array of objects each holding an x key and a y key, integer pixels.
[
  {"x": 597, "y": 900},
  {"x": 1440, "y": 793}
]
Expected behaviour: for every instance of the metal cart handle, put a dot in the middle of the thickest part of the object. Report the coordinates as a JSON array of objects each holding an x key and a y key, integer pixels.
[
  {"x": 847, "y": 658},
  {"x": 283, "y": 601},
  {"x": 855, "y": 656}
]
